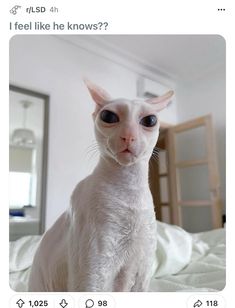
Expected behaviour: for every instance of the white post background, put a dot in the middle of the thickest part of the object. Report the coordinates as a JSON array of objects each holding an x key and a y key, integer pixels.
[{"x": 126, "y": 17}]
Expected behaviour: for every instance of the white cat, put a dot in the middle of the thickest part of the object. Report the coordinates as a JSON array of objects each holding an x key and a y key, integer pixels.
[{"x": 106, "y": 240}]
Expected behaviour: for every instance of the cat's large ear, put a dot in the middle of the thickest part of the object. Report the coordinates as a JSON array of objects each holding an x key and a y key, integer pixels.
[
  {"x": 161, "y": 102},
  {"x": 99, "y": 95}
]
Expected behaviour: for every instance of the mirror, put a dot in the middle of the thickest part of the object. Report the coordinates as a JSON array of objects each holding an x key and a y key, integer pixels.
[{"x": 28, "y": 139}]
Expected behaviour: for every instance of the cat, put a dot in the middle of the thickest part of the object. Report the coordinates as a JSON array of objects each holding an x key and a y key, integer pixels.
[{"x": 106, "y": 240}]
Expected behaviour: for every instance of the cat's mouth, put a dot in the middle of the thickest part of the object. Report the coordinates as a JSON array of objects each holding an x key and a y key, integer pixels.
[
  {"x": 126, "y": 151},
  {"x": 124, "y": 157}
]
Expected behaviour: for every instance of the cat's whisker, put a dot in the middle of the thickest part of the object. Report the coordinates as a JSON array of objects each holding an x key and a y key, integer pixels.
[
  {"x": 154, "y": 159},
  {"x": 92, "y": 154},
  {"x": 94, "y": 144},
  {"x": 155, "y": 154},
  {"x": 91, "y": 151},
  {"x": 156, "y": 150}
]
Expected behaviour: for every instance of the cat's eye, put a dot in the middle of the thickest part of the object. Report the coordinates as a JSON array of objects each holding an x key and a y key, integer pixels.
[
  {"x": 149, "y": 121},
  {"x": 109, "y": 116}
]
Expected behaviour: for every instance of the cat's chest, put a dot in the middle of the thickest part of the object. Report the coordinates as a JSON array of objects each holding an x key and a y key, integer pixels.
[
  {"x": 126, "y": 212},
  {"x": 124, "y": 227},
  {"x": 114, "y": 208},
  {"x": 122, "y": 204},
  {"x": 122, "y": 195},
  {"x": 118, "y": 203},
  {"x": 121, "y": 217}
]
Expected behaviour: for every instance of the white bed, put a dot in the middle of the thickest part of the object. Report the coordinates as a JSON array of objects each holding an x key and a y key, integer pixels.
[{"x": 184, "y": 261}]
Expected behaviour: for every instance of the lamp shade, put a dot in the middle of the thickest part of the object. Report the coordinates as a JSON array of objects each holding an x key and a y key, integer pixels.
[{"x": 23, "y": 137}]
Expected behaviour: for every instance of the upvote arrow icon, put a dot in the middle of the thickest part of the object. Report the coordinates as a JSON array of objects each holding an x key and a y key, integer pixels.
[{"x": 20, "y": 303}]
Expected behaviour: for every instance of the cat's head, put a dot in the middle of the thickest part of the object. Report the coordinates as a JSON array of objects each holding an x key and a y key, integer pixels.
[{"x": 126, "y": 130}]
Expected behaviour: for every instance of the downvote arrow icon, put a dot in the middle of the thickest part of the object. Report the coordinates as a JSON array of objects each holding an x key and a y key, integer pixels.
[{"x": 63, "y": 303}]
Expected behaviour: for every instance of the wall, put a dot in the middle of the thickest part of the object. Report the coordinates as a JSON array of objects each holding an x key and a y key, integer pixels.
[
  {"x": 207, "y": 95},
  {"x": 52, "y": 66}
]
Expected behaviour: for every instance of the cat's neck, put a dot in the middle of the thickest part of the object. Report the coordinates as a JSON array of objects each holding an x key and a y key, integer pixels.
[{"x": 135, "y": 175}]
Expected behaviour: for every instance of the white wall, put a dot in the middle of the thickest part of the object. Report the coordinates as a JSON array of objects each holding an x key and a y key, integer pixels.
[
  {"x": 207, "y": 95},
  {"x": 52, "y": 66}
]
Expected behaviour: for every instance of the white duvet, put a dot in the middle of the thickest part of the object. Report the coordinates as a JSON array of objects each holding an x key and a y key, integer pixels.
[
  {"x": 184, "y": 261},
  {"x": 189, "y": 262}
]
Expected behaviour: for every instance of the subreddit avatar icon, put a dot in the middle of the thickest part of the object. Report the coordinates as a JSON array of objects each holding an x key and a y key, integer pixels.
[{"x": 15, "y": 9}]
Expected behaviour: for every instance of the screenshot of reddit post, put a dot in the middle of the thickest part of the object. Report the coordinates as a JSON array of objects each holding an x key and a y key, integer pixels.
[{"x": 116, "y": 155}]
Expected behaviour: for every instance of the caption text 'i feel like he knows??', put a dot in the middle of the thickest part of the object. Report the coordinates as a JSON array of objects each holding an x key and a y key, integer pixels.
[{"x": 40, "y": 26}]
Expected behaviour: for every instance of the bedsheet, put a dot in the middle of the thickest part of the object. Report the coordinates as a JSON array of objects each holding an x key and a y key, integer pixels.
[
  {"x": 183, "y": 261},
  {"x": 205, "y": 271}
]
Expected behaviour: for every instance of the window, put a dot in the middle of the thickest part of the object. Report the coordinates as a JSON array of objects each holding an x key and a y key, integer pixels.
[{"x": 20, "y": 189}]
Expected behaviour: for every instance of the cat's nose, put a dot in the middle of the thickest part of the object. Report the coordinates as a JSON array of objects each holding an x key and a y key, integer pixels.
[{"x": 128, "y": 139}]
